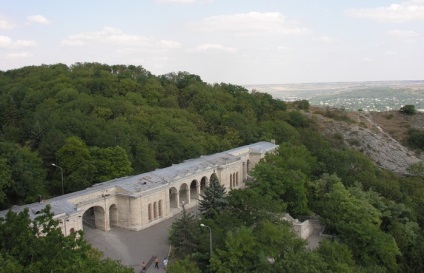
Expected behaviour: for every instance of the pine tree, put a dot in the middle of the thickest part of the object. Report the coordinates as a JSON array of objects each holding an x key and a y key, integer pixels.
[
  {"x": 183, "y": 235},
  {"x": 213, "y": 200}
]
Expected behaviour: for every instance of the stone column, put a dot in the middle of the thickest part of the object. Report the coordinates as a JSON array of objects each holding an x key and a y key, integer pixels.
[
  {"x": 134, "y": 218},
  {"x": 100, "y": 218},
  {"x": 167, "y": 205},
  {"x": 178, "y": 198}
]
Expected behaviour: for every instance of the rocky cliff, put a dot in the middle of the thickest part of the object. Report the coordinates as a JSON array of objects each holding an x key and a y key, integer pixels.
[{"x": 378, "y": 135}]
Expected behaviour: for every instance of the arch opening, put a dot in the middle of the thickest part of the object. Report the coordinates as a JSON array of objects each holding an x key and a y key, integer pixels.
[
  {"x": 94, "y": 217},
  {"x": 113, "y": 215},
  {"x": 173, "y": 197},
  {"x": 203, "y": 184},
  {"x": 184, "y": 194},
  {"x": 194, "y": 194}
]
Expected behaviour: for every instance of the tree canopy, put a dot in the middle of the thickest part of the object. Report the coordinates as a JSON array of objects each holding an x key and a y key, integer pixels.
[
  {"x": 101, "y": 121},
  {"x": 98, "y": 122},
  {"x": 39, "y": 246}
]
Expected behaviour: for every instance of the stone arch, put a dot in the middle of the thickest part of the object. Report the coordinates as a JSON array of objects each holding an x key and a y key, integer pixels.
[
  {"x": 113, "y": 215},
  {"x": 95, "y": 217},
  {"x": 213, "y": 175},
  {"x": 184, "y": 194},
  {"x": 194, "y": 190},
  {"x": 204, "y": 182},
  {"x": 173, "y": 197}
]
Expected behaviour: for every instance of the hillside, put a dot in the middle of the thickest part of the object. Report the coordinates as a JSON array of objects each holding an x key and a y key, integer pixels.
[
  {"x": 382, "y": 136},
  {"x": 99, "y": 122}
]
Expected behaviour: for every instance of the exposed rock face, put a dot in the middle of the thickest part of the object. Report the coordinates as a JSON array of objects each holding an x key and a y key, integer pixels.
[{"x": 368, "y": 137}]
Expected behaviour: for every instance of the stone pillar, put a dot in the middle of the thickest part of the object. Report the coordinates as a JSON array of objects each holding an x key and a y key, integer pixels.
[
  {"x": 178, "y": 198},
  {"x": 167, "y": 206},
  {"x": 99, "y": 218},
  {"x": 134, "y": 218}
]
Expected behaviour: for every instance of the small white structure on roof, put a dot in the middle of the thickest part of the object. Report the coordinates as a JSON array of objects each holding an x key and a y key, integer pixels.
[{"x": 143, "y": 200}]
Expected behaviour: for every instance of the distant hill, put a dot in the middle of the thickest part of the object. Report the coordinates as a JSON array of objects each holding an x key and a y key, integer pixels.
[{"x": 367, "y": 96}]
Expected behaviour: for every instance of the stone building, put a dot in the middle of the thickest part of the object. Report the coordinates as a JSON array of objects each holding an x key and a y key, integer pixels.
[{"x": 140, "y": 201}]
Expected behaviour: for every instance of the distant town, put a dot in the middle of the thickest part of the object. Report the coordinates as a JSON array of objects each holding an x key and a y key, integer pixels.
[{"x": 351, "y": 96}]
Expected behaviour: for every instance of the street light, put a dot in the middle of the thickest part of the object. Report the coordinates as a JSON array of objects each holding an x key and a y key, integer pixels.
[
  {"x": 210, "y": 241},
  {"x": 61, "y": 173}
]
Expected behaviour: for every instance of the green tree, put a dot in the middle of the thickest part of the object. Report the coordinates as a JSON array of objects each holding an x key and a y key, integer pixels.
[
  {"x": 22, "y": 174},
  {"x": 39, "y": 246},
  {"x": 240, "y": 253},
  {"x": 356, "y": 221},
  {"x": 213, "y": 199},
  {"x": 301, "y": 261},
  {"x": 248, "y": 207},
  {"x": 337, "y": 256},
  {"x": 279, "y": 130},
  {"x": 416, "y": 138},
  {"x": 75, "y": 159},
  {"x": 110, "y": 163},
  {"x": 417, "y": 169},
  {"x": 9, "y": 264},
  {"x": 277, "y": 240},
  {"x": 284, "y": 175},
  {"x": 183, "y": 266},
  {"x": 408, "y": 109},
  {"x": 297, "y": 119},
  {"x": 302, "y": 104},
  {"x": 183, "y": 234},
  {"x": 5, "y": 178}
]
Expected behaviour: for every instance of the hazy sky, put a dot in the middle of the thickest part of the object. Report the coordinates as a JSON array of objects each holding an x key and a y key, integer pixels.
[{"x": 235, "y": 41}]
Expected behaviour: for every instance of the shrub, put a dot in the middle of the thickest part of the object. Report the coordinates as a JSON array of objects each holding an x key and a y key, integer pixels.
[{"x": 408, "y": 109}]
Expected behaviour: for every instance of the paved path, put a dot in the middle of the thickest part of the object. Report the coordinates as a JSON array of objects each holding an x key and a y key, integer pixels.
[{"x": 133, "y": 247}]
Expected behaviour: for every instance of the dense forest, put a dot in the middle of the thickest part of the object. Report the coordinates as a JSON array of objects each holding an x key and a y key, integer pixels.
[{"x": 98, "y": 122}]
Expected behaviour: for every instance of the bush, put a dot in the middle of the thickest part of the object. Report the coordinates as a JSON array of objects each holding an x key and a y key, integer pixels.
[
  {"x": 389, "y": 116},
  {"x": 302, "y": 104},
  {"x": 408, "y": 109},
  {"x": 416, "y": 138}
]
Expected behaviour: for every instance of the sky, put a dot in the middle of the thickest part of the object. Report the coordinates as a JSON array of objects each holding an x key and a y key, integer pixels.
[{"x": 233, "y": 41}]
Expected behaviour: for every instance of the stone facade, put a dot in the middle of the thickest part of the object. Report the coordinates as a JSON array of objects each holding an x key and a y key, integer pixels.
[{"x": 140, "y": 201}]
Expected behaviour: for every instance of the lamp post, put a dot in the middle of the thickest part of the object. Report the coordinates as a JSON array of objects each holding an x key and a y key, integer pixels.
[
  {"x": 61, "y": 173},
  {"x": 210, "y": 241}
]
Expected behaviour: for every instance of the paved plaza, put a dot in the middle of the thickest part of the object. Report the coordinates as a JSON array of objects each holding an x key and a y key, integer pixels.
[{"x": 133, "y": 247}]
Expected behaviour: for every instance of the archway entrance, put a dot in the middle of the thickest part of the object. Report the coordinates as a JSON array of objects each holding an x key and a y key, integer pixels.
[
  {"x": 193, "y": 191},
  {"x": 94, "y": 217},
  {"x": 184, "y": 194},
  {"x": 203, "y": 184},
  {"x": 173, "y": 198},
  {"x": 113, "y": 215}
]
